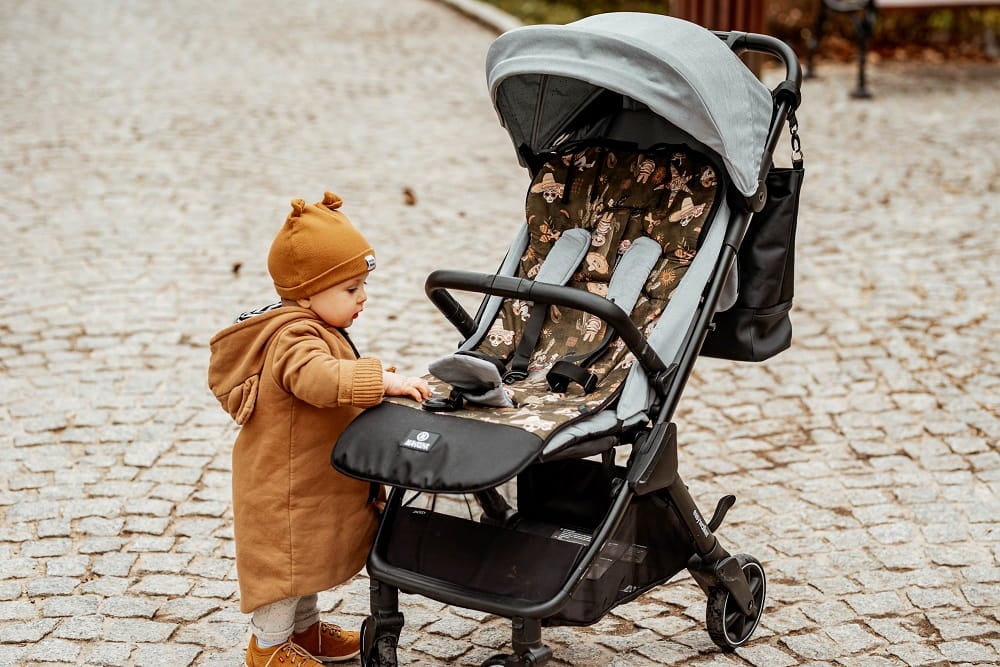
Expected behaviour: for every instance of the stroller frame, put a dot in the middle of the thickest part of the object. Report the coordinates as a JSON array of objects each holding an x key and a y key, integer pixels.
[{"x": 734, "y": 584}]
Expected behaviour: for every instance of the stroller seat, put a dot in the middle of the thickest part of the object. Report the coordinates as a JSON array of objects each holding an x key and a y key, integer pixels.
[
  {"x": 618, "y": 221},
  {"x": 620, "y": 195},
  {"x": 575, "y": 363}
]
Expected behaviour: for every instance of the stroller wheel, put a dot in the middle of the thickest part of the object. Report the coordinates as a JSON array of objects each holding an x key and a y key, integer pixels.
[
  {"x": 377, "y": 651},
  {"x": 728, "y": 626},
  {"x": 498, "y": 660}
]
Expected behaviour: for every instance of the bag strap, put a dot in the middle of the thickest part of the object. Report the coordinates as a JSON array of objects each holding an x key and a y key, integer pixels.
[{"x": 560, "y": 264}]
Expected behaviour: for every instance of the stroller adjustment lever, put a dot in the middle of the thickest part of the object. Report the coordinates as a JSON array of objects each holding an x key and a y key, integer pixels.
[{"x": 655, "y": 465}]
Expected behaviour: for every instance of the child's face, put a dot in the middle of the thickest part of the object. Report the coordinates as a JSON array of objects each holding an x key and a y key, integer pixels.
[{"x": 340, "y": 304}]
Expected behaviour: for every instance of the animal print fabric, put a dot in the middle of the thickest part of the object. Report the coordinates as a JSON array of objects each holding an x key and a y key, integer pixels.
[{"x": 618, "y": 195}]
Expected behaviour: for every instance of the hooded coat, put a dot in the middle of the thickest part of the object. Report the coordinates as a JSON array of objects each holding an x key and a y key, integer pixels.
[{"x": 293, "y": 383}]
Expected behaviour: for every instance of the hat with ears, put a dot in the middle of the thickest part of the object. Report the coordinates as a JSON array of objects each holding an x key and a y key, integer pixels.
[{"x": 317, "y": 248}]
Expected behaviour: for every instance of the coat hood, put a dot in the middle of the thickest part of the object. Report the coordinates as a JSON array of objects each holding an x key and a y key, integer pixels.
[{"x": 237, "y": 358}]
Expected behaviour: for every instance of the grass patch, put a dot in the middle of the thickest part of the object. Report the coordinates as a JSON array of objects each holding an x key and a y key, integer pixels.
[{"x": 540, "y": 11}]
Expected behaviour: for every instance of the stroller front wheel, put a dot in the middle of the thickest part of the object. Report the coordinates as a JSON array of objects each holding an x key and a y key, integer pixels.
[
  {"x": 527, "y": 659},
  {"x": 728, "y": 625},
  {"x": 377, "y": 650}
]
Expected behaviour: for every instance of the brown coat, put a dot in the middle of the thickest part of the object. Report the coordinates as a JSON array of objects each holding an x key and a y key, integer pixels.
[{"x": 293, "y": 383}]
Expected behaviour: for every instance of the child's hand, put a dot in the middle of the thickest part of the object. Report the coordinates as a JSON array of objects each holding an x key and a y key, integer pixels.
[{"x": 395, "y": 384}]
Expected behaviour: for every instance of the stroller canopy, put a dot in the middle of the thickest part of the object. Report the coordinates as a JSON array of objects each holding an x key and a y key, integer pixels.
[{"x": 541, "y": 77}]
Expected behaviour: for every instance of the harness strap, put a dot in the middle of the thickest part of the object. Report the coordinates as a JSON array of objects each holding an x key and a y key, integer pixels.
[
  {"x": 630, "y": 275},
  {"x": 559, "y": 265},
  {"x": 526, "y": 346}
]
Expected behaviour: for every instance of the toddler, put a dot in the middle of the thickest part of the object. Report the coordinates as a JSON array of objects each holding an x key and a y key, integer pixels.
[{"x": 290, "y": 376}]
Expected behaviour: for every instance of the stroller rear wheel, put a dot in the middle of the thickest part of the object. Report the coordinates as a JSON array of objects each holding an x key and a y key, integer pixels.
[{"x": 728, "y": 625}]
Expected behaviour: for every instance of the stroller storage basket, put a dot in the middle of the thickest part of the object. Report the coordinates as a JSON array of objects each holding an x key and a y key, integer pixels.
[
  {"x": 649, "y": 546},
  {"x": 561, "y": 503}
]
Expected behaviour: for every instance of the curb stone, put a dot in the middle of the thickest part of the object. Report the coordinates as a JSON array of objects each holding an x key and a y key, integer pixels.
[{"x": 484, "y": 13}]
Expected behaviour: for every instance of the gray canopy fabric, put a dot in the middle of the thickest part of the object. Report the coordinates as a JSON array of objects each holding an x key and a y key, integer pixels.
[{"x": 541, "y": 76}]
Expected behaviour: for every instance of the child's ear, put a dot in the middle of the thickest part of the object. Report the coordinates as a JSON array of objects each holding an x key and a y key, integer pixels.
[{"x": 304, "y": 303}]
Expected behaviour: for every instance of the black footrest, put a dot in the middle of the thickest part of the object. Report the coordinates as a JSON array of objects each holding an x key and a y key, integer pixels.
[{"x": 415, "y": 449}]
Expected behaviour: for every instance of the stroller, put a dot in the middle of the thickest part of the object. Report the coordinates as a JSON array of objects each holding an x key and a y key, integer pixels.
[{"x": 649, "y": 144}]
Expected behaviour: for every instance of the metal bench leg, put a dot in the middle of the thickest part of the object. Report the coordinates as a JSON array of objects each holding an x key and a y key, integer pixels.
[
  {"x": 865, "y": 25},
  {"x": 814, "y": 40}
]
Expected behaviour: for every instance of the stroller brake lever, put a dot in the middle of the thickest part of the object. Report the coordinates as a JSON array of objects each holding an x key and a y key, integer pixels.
[{"x": 725, "y": 504}]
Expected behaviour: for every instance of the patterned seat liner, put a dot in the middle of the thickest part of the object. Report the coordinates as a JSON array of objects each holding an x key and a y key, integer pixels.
[{"x": 618, "y": 194}]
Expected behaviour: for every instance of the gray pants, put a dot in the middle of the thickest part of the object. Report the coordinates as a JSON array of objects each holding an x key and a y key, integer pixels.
[{"x": 274, "y": 623}]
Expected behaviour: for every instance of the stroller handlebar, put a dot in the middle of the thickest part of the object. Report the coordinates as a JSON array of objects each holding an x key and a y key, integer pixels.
[
  {"x": 787, "y": 94},
  {"x": 741, "y": 42},
  {"x": 439, "y": 282}
]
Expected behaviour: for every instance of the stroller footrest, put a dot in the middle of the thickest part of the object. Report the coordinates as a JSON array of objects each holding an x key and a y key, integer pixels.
[{"x": 412, "y": 448}]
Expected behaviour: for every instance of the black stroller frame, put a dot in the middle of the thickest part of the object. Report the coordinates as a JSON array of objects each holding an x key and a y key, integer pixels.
[{"x": 648, "y": 484}]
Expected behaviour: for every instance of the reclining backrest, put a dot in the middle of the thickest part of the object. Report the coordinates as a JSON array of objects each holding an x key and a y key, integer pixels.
[{"x": 618, "y": 194}]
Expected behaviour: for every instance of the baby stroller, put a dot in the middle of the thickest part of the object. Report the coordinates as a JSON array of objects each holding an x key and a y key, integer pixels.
[{"x": 649, "y": 143}]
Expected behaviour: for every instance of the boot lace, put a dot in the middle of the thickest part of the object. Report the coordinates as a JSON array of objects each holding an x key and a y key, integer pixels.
[
  {"x": 293, "y": 655},
  {"x": 334, "y": 631}
]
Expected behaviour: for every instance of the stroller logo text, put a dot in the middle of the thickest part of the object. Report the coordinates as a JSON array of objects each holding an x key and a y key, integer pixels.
[
  {"x": 698, "y": 519},
  {"x": 421, "y": 441}
]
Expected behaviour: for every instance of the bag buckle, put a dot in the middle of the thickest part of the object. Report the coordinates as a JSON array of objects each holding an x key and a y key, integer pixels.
[{"x": 451, "y": 403}]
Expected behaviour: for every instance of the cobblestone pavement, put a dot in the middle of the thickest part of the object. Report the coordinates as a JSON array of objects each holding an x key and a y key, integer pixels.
[{"x": 150, "y": 150}]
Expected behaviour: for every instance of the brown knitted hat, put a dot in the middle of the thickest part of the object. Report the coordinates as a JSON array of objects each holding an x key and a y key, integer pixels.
[{"x": 317, "y": 248}]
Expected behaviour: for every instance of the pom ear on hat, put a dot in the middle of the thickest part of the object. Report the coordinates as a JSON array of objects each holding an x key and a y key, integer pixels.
[
  {"x": 332, "y": 201},
  {"x": 317, "y": 248}
]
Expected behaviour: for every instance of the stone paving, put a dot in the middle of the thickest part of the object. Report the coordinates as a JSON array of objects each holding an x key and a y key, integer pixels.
[{"x": 150, "y": 151}]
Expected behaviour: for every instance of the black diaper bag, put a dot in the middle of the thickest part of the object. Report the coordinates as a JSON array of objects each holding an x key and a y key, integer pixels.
[{"x": 758, "y": 325}]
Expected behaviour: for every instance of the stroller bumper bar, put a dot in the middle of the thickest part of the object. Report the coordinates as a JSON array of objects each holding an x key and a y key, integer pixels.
[{"x": 439, "y": 282}]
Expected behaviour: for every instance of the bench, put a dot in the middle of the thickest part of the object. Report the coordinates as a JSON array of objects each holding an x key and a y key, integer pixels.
[{"x": 864, "y": 14}]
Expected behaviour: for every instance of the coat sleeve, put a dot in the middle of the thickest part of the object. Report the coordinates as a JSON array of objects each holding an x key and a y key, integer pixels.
[{"x": 306, "y": 368}]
